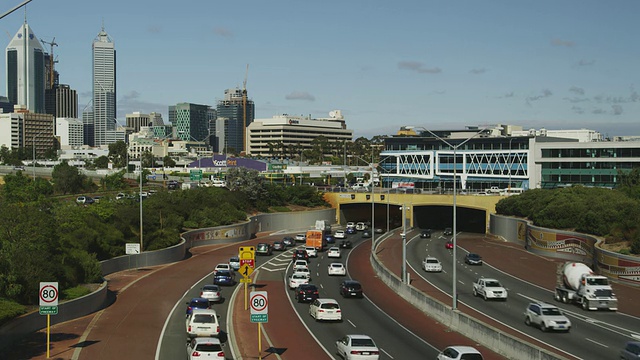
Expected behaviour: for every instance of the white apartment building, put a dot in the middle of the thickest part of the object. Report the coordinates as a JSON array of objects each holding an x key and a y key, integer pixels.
[
  {"x": 70, "y": 132},
  {"x": 297, "y": 131}
]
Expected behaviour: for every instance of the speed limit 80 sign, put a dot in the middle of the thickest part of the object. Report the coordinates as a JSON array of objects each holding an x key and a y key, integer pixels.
[
  {"x": 259, "y": 302},
  {"x": 48, "y": 294}
]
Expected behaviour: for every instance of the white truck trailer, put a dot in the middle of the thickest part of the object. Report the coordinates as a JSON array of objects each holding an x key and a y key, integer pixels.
[{"x": 578, "y": 284}]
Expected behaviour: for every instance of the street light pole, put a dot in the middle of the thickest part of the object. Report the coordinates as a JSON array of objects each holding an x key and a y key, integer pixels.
[
  {"x": 404, "y": 243},
  {"x": 454, "y": 285}
]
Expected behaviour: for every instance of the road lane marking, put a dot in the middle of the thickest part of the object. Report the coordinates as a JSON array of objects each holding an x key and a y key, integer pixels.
[
  {"x": 352, "y": 324},
  {"x": 389, "y": 355},
  {"x": 597, "y": 343}
]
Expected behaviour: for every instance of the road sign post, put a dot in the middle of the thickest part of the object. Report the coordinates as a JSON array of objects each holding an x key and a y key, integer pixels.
[
  {"x": 247, "y": 255},
  {"x": 259, "y": 313},
  {"x": 48, "y": 295}
]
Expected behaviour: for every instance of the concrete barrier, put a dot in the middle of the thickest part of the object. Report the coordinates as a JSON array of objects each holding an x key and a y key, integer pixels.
[{"x": 490, "y": 337}]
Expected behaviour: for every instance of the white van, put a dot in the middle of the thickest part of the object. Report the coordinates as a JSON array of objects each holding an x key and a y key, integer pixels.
[
  {"x": 359, "y": 187},
  {"x": 202, "y": 323}
]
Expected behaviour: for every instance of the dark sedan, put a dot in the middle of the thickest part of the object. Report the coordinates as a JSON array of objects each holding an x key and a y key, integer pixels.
[
  {"x": 366, "y": 234},
  {"x": 345, "y": 244},
  {"x": 425, "y": 234},
  {"x": 197, "y": 303},
  {"x": 300, "y": 255},
  {"x": 351, "y": 288},
  {"x": 307, "y": 293},
  {"x": 278, "y": 246},
  {"x": 351, "y": 230},
  {"x": 288, "y": 241},
  {"x": 473, "y": 259},
  {"x": 224, "y": 277}
]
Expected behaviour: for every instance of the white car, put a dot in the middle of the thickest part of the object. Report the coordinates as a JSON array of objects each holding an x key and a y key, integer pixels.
[
  {"x": 213, "y": 293},
  {"x": 340, "y": 234},
  {"x": 202, "y": 323},
  {"x": 459, "y": 353},
  {"x": 336, "y": 269},
  {"x": 234, "y": 262},
  {"x": 361, "y": 226},
  {"x": 222, "y": 267},
  {"x": 357, "y": 347},
  {"x": 333, "y": 252},
  {"x": 325, "y": 309},
  {"x": 547, "y": 317},
  {"x": 205, "y": 347},
  {"x": 300, "y": 264},
  {"x": 303, "y": 271},
  {"x": 489, "y": 289},
  {"x": 351, "y": 224},
  {"x": 431, "y": 264},
  {"x": 297, "y": 279},
  {"x": 311, "y": 251},
  {"x": 301, "y": 237}
]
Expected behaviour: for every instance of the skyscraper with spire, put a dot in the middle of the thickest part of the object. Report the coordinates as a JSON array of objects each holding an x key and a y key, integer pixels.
[
  {"x": 26, "y": 70},
  {"x": 104, "y": 90}
]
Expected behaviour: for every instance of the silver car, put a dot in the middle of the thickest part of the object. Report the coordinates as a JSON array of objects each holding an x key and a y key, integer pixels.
[
  {"x": 547, "y": 317},
  {"x": 213, "y": 293}
]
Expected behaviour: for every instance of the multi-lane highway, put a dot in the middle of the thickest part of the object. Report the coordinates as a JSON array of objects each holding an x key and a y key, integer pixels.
[{"x": 595, "y": 335}]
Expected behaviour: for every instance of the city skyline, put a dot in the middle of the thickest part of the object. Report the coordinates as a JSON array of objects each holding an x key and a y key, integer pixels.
[{"x": 422, "y": 63}]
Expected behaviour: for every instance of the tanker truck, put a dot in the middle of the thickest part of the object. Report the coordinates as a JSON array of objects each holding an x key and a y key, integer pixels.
[{"x": 578, "y": 284}]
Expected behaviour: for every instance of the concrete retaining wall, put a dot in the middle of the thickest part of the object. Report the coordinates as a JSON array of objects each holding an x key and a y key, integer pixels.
[
  {"x": 480, "y": 332},
  {"x": 568, "y": 245},
  {"x": 97, "y": 300}
]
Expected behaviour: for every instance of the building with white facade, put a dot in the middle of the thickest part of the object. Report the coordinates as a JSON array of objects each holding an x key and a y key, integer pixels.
[
  {"x": 104, "y": 90},
  {"x": 70, "y": 132},
  {"x": 294, "y": 132}
]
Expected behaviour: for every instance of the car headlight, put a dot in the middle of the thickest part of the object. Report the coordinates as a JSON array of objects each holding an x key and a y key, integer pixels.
[{"x": 552, "y": 323}]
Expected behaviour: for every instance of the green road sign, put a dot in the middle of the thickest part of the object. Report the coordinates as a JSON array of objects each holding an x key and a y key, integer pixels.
[
  {"x": 259, "y": 318},
  {"x": 48, "y": 310},
  {"x": 195, "y": 175}
]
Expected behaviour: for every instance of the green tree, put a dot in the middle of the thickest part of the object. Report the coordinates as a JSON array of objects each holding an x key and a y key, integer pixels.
[
  {"x": 101, "y": 162},
  {"x": 167, "y": 161},
  {"x": 147, "y": 159},
  {"x": 118, "y": 154},
  {"x": 67, "y": 179},
  {"x": 114, "y": 181}
]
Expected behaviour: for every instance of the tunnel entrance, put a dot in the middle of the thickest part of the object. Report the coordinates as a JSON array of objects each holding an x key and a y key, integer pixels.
[{"x": 435, "y": 217}]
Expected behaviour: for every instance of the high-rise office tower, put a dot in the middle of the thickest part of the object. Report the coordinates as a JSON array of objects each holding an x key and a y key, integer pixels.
[
  {"x": 104, "y": 89},
  {"x": 191, "y": 121},
  {"x": 26, "y": 70},
  {"x": 62, "y": 101},
  {"x": 235, "y": 108}
]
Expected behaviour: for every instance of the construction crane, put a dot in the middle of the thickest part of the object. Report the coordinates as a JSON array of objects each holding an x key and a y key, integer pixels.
[
  {"x": 51, "y": 60},
  {"x": 244, "y": 110}
]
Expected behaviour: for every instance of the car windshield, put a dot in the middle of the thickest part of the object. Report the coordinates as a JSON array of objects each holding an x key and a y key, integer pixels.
[
  {"x": 234, "y": 259},
  {"x": 336, "y": 265},
  {"x": 432, "y": 261},
  {"x": 354, "y": 286},
  {"x": 204, "y": 318},
  {"x": 211, "y": 288},
  {"x": 208, "y": 347},
  {"x": 299, "y": 277},
  {"x": 223, "y": 273},
  {"x": 362, "y": 343},
  {"x": 471, "y": 357},
  {"x": 551, "y": 311},
  {"x": 492, "y": 284}
]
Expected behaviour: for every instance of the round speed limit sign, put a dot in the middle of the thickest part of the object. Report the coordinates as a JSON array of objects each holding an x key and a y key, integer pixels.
[
  {"x": 48, "y": 294},
  {"x": 259, "y": 302}
]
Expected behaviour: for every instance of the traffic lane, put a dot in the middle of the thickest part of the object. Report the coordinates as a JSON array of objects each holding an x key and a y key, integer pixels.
[
  {"x": 399, "y": 309},
  {"x": 542, "y": 271},
  {"x": 287, "y": 334},
  {"x": 443, "y": 281},
  {"x": 360, "y": 317},
  {"x": 174, "y": 340},
  {"x": 511, "y": 312},
  {"x": 545, "y": 274}
]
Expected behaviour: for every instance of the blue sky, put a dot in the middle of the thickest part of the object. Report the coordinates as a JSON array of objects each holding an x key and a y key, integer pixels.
[{"x": 437, "y": 64}]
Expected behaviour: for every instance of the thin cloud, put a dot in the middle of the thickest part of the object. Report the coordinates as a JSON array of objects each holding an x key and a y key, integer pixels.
[
  {"x": 617, "y": 109},
  {"x": 155, "y": 29},
  {"x": 585, "y": 63},
  {"x": 576, "y": 99},
  {"x": 565, "y": 43},
  {"x": 225, "y": 33},
  {"x": 576, "y": 90},
  {"x": 577, "y": 109},
  {"x": 300, "y": 95},
  {"x": 545, "y": 94},
  {"x": 418, "y": 67},
  {"x": 478, "y": 71},
  {"x": 598, "y": 111},
  {"x": 507, "y": 95}
]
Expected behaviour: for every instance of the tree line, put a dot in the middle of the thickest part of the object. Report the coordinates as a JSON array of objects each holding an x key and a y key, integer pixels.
[
  {"x": 49, "y": 237},
  {"x": 610, "y": 213}
]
